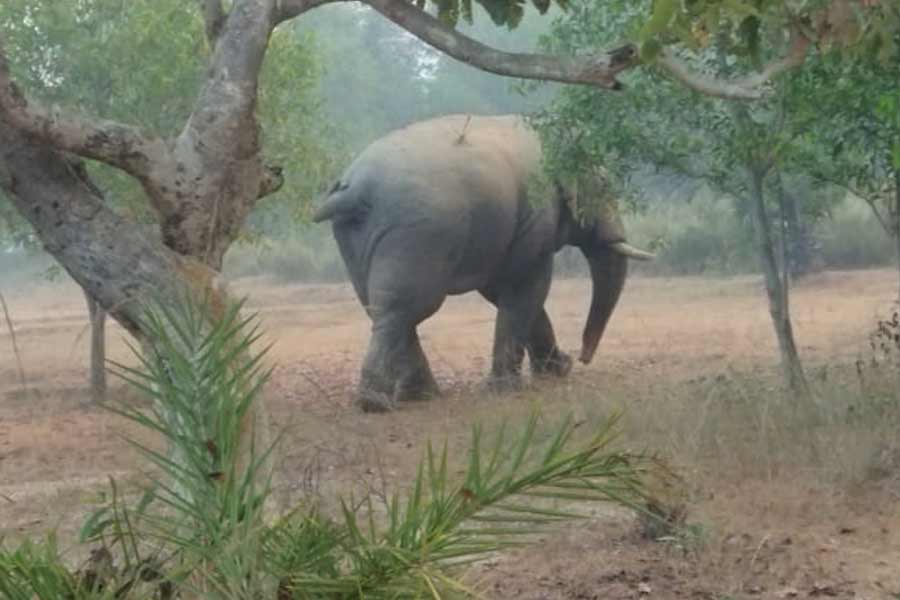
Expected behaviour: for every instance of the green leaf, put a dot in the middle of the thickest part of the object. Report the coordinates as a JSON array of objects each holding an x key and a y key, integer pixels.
[
  {"x": 650, "y": 49},
  {"x": 660, "y": 19}
]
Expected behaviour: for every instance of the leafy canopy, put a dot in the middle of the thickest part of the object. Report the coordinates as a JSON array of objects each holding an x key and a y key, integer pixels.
[
  {"x": 741, "y": 26},
  {"x": 143, "y": 62}
]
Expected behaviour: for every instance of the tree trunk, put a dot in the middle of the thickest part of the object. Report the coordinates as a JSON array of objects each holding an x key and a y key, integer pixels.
[
  {"x": 797, "y": 240},
  {"x": 116, "y": 262},
  {"x": 202, "y": 184},
  {"x": 98, "y": 348},
  {"x": 776, "y": 290},
  {"x": 895, "y": 224}
]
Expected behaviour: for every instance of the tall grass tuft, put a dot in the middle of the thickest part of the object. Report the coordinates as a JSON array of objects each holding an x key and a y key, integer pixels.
[{"x": 198, "y": 530}]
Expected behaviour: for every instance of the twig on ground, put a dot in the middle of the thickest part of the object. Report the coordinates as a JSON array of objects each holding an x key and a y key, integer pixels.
[
  {"x": 755, "y": 556},
  {"x": 15, "y": 346}
]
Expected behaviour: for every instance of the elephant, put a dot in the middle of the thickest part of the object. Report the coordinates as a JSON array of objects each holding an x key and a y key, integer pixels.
[{"x": 442, "y": 207}]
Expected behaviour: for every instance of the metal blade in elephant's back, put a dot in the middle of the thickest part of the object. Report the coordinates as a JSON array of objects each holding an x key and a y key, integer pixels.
[{"x": 608, "y": 271}]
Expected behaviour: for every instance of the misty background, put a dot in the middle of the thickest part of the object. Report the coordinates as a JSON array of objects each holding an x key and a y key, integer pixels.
[{"x": 367, "y": 77}]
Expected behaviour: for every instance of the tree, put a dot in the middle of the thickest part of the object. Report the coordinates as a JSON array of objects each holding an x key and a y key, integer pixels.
[
  {"x": 41, "y": 37},
  {"x": 856, "y": 144},
  {"x": 743, "y": 149}
]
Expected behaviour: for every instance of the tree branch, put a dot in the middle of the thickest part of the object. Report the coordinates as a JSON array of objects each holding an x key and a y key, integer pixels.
[
  {"x": 598, "y": 69},
  {"x": 748, "y": 88},
  {"x": 272, "y": 180},
  {"x": 116, "y": 262},
  {"x": 119, "y": 145},
  {"x": 288, "y": 9},
  {"x": 214, "y": 18}
]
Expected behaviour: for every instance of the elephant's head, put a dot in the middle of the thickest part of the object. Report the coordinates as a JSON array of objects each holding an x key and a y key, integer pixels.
[{"x": 595, "y": 227}]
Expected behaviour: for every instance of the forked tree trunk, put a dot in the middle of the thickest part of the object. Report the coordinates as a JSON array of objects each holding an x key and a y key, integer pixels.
[
  {"x": 202, "y": 184},
  {"x": 776, "y": 290},
  {"x": 97, "y": 317},
  {"x": 116, "y": 262}
]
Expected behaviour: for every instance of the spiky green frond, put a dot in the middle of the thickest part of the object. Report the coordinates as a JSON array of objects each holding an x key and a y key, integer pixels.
[{"x": 198, "y": 530}]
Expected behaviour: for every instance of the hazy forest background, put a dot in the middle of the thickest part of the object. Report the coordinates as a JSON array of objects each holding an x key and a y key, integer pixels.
[
  {"x": 343, "y": 76},
  {"x": 787, "y": 478}
]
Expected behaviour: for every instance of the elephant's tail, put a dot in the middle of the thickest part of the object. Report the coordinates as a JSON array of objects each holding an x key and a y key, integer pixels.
[{"x": 342, "y": 201}]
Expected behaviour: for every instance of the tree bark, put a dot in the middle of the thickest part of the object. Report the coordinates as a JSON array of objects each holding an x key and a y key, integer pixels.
[
  {"x": 116, "y": 262},
  {"x": 205, "y": 181},
  {"x": 202, "y": 184},
  {"x": 776, "y": 290},
  {"x": 747, "y": 88},
  {"x": 97, "y": 317},
  {"x": 796, "y": 240},
  {"x": 799, "y": 244},
  {"x": 895, "y": 224}
]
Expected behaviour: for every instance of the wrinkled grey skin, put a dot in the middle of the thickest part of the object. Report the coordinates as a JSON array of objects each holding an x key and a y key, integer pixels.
[{"x": 441, "y": 207}]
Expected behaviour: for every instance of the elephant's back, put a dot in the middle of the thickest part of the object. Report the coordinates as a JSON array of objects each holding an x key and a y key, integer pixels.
[
  {"x": 450, "y": 188},
  {"x": 435, "y": 160}
]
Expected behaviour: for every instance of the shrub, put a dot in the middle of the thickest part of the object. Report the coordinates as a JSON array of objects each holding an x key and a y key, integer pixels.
[
  {"x": 313, "y": 259},
  {"x": 199, "y": 531},
  {"x": 704, "y": 236},
  {"x": 853, "y": 238}
]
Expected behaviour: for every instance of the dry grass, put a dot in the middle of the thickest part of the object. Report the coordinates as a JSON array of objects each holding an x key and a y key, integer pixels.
[{"x": 691, "y": 360}]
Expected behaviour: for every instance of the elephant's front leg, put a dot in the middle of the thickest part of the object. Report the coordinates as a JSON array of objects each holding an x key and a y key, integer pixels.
[
  {"x": 518, "y": 307},
  {"x": 395, "y": 368},
  {"x": 545, "y": 356}
]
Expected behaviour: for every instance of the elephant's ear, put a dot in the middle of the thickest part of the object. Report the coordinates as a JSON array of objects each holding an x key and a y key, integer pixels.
[{"x": 598, "y": 206}]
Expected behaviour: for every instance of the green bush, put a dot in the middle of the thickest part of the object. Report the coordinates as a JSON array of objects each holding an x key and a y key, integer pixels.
[
  {"x": 311, "y": 260},
  {"x": 704, "y": 236},
  {"x": 853, "y": 238}
]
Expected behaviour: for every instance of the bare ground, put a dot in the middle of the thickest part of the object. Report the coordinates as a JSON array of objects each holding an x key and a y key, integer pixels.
[{"x": 774, "y": 511}]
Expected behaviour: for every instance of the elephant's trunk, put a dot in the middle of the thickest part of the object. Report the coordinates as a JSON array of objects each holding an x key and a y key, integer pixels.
[{"x": 608, "y": 270}]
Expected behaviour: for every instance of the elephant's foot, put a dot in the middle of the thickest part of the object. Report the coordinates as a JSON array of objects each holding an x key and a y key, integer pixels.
[
  {"x": 558, "y": 364},
  {"x": 375, "y": 393},
  {"x": 504, "y": 383},
  {"x": 418, "y": 388},
  {"x": 372, "y": 401},
  {"x": 416, "y": 395},
  {"x": 378, "y": 395}
]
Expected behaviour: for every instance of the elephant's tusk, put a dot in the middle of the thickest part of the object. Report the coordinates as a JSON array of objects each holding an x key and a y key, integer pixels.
[{"x": 626, "y": 249}]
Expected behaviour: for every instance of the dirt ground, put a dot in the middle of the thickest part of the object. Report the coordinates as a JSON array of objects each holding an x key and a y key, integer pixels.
[{"x": 788, "y": 529}]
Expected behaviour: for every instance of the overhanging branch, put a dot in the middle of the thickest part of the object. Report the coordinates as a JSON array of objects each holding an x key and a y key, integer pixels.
[
  {"x": 288, "y": 9},
  {"x": 272, "y": 180},
  {"x": 115, "y": 261},
  {"x": 746, "y": 88},
  {"x": 116, "y": 144},
  {"x": 598, "y": 70}
]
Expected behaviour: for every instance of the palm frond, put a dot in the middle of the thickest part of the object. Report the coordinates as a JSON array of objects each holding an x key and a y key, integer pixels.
[{"x": 198, "y": 530}]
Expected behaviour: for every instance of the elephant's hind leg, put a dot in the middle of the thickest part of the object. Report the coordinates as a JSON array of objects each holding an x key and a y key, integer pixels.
[
  {"x": 395, "y": 368},
  {"x": 415, "y": 380}
]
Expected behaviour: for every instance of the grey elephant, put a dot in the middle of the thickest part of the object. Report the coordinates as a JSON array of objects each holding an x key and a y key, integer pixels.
[{"x": 443, "y": 207}]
